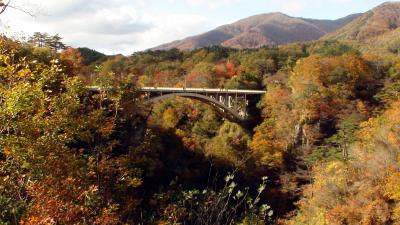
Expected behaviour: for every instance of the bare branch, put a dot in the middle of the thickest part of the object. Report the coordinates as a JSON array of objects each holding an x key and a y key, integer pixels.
[
  {"x": 4, "y": 6},
  {"x": 22, "y": 10}
]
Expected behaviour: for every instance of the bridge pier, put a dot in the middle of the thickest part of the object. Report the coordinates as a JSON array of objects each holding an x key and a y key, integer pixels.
[{"x": 231, "y": 103}]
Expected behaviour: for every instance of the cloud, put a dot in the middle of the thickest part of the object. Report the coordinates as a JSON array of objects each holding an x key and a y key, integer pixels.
[
  {"x": 322, "y": 9},
  {"x": 126, "y": 26},
  {"x": 117, "y": 20},
  {"x": 213, "y": 4},
  {"x": 291, "y": 7},
  {"x": 112, "y": 26},
  {"x": 173, "y": 27}
]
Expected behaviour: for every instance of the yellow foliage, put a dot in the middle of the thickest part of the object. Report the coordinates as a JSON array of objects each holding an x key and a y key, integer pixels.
[
  {"x": 392, "y": 191},
  {"x": 358, "y": 192},
  {"x": 230, "y": 144},
  {"x": 330, "y": 176},
  {"x": 180, "y": 133},
  {"x": 267, "y": 146},
  {"x": 366, "y": 134},
  {"x": 385, "y": 128},
  {"x": 314, "y": 216},
  {"x": 170, "y": 118},
  {"x": 108, "y": 127},
  {"x": 7, "y": 151},
  {"x": 306, "y": 73}
]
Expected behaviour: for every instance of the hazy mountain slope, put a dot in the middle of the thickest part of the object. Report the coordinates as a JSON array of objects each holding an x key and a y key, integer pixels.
[
  {"x": 259, "y": 30},
  {"x": 332, "y": 25},
  {"x": 375, "y": 29}
]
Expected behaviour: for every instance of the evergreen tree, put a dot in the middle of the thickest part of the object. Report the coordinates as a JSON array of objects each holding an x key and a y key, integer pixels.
[
  {"x": 54, "y": 42},
  {"x": 41, "y": 40}
]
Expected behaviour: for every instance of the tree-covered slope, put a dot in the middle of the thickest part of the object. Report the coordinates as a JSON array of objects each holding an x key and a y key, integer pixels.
[
  {"x": 321, "y": 146},
  {"x": 376, "y": 29},
  {"x": 261, "y": 30}
]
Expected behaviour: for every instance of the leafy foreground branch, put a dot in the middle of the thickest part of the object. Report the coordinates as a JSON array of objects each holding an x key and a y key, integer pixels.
[
  {"x": 230, "y": 205},
  {"x": 71, "y": 157}
]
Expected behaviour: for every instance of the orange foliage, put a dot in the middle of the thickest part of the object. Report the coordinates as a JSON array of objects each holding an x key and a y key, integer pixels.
[
  {"x": 157, "y": 76},
  {"x": 226, "y": 69},
  {"x": 73, "y": 61},
  {"x": 364, "y": 190}
]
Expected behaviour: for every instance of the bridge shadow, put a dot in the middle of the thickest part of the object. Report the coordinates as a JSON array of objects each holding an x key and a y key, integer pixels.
[
  {"x": 231, "y": 104},
  {"x": 167, "y": 165},
  {"x": 252, "y": 119}
]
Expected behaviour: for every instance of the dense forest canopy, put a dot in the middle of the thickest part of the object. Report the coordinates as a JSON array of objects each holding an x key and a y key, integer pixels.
[{"x": 322, "y": 146}]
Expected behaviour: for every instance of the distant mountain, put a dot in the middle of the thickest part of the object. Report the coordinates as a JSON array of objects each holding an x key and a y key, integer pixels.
[
  {"x": 260, "y": 30},
  {"x": 90, "y": 56},
  {"x": 378, "y": 28}
]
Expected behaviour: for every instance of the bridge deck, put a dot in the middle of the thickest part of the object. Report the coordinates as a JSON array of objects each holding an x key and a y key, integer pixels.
[
  {"x": 202, "y": 90},
  {"x": 231, "y": 103},
  {"x": 193, "y": 90}
]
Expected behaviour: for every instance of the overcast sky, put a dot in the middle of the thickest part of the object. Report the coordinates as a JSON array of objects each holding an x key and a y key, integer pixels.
[{"x": 126, "y": 26}]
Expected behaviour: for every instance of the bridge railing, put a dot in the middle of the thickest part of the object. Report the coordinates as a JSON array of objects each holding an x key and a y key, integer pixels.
[
  {"x": 231, "y": 102},
  {"x": 192, "y": 90},
  {"x": 202, "y": 90}
]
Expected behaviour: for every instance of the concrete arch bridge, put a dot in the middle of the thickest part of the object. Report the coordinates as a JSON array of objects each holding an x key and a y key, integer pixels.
[{"x": 232, "y": 104}]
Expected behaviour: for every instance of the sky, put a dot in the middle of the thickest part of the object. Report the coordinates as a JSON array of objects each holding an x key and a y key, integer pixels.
[{"x": 128, "y": 26}]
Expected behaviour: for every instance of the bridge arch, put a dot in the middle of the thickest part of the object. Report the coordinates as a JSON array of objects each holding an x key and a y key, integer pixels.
[
  {"x": 221, "y": 108},
  {"x": 229, "y": 103}
]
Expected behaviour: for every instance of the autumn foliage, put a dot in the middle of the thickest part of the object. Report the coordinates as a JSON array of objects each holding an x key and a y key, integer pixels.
[{"x": 326, "y": 134}]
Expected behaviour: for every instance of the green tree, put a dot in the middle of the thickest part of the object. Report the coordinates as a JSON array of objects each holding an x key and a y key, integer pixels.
[
  {"x": 41, "y": 40},
  {"x": 91, "y": 56},
  {"x": 54, "y": 42},
  {"x": 229, "y": 145}
]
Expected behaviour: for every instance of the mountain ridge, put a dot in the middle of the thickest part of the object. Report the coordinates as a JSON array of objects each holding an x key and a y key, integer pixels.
[
  {"x": 376, "y": 29},
  {"x": 259, "y": 30}
]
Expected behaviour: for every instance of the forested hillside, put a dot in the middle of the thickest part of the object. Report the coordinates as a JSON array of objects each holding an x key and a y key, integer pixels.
[
  {"x": 261, "y": 30},
  {"x": 322, "y": 147},
  {"x": 375, "y": 31}
]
